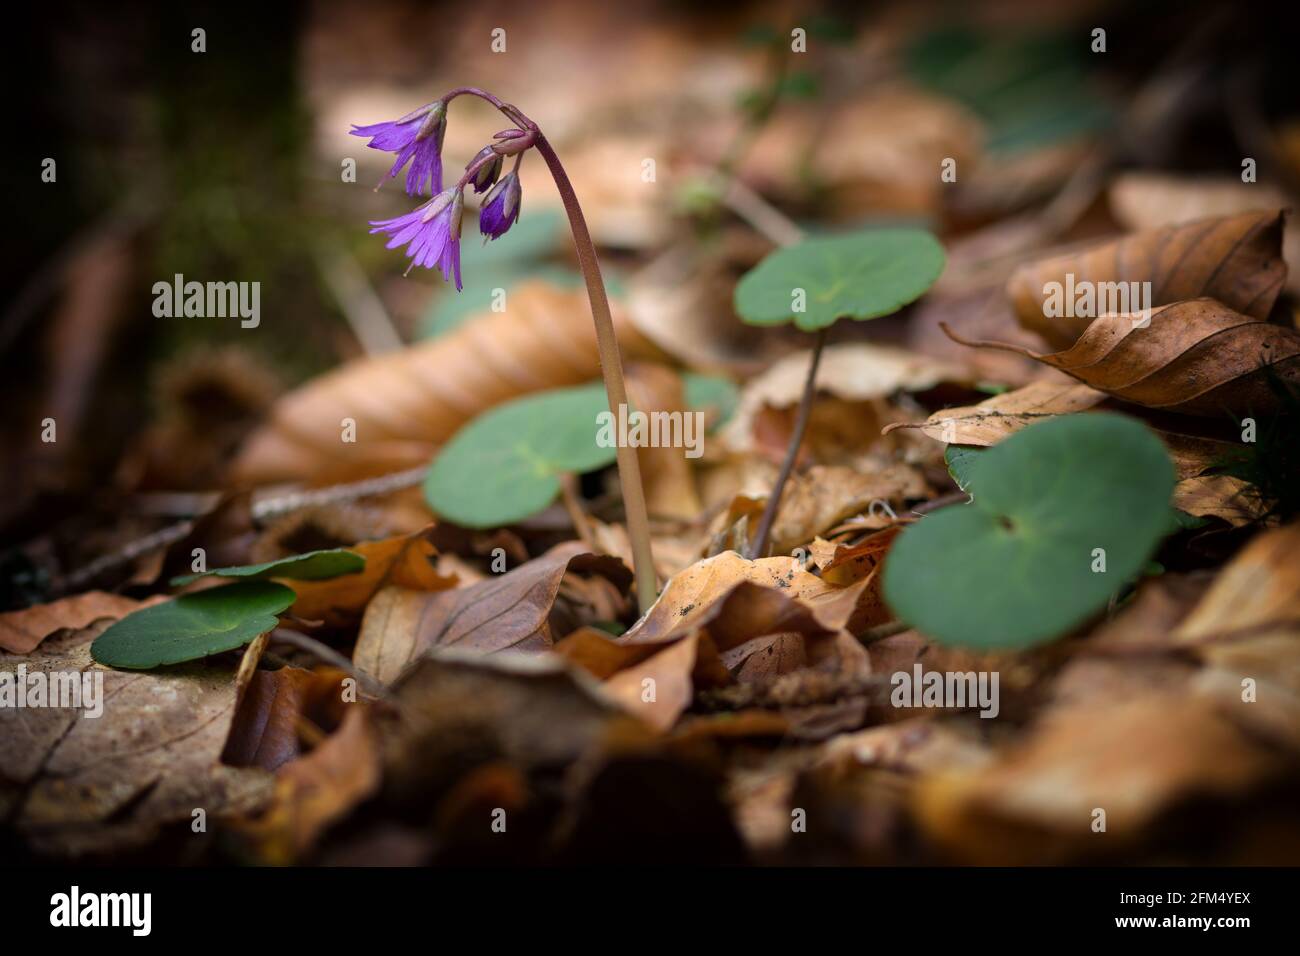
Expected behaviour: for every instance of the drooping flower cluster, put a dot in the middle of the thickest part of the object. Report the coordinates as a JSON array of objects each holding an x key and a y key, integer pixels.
[{"x": 431, "y": 232}]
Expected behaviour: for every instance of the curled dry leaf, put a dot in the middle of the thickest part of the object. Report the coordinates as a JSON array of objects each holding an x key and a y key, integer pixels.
[
  {"x": 725, "y": 619},
  {"x": 1246, "y": 630},
  {"x": 822, "y": 497},
  {"x": 1258, "y": 591},
  {"x": 316, "y": 790},
  {"x": 750, "y": 633},
  {"x": 71, "y": 784},
  {"x": 408, "y": 402},
  {"x": 854, "y": 372},
  {"x": 508, "y": 612},
  {"x": 1197, "y": 358},
  {"x": 691, "y": 593},
  {"x": 1236, "y": 501},
  {"x": 21, "y": 632},
  {"x": 1147, "y": 200},
  {"x": 405, "y": 561},
  {"x": 995, "y": 418},
  {"x": 278, "y": 708},
  {"x": 1234, "y": 259}
]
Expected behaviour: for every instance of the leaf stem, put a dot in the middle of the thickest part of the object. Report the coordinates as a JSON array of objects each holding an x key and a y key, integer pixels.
[
  {"x": 611, "y": 368},
  {"x": 759, "y": 545}
]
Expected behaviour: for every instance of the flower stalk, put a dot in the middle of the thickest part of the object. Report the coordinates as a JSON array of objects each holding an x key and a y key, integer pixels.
[{"x": 432, "y": 236}]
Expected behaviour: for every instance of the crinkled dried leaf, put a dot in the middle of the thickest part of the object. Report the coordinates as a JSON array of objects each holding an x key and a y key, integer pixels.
[
  {"x": 1134, "y": 759},
  {"x": 995, "y": 418},
  {"x": 406, "y": 403},
  {"x": 1236, "y": 501},
  {"x": 723, "y": 619},
  {"x": 72, "y": 784},
  {"x": 1143, "y": 199},
  {"x": 1234, "y": 259},
  {"x": 404, "y": 561},
  {"x": 22, "y": 631},
  {"x": 1258, "y": 591},
  {"x": 274, "y": 707},
  {"x": 1197, "y": 357},
  {"x": 508, "y": 612},
  {"x": 316, "y": 790}
]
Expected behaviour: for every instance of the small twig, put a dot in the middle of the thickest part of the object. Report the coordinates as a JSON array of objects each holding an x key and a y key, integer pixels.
[
  {"x": 569, "y": 495},
  {"x": 363, "y": 309},
  {"x": 943, "y": 501},
  {"x": 366, "y": 488},
  {"x": 330, "y": 656},
  {"x": 882, "y": 631},
  {"x": 266, "y": 508},
  {"x": 759, "y": 213},
  {"x": 759, "y": 547}
]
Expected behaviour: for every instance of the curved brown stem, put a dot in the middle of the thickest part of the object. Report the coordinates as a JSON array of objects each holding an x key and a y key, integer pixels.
[
  {"x": 759, "y": 545},
  {"x": 611, "y": 368}
]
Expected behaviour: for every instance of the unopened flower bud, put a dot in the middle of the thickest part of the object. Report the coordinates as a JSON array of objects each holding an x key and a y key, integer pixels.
[
  {"x": 512, "y": 141},
  {"x": 488, "y": 172}
]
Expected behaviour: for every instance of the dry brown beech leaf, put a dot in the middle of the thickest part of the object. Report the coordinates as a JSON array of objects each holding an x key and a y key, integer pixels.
[
  {"x": 1197, "y": 358},
  {"x": 995, "y": 418},
  {"x": 1134, "y": 758},
  {"x": 404, "y": 561},
  {"x": 1220, "y": 496},
  {"x": 1257, "y": 593},
  {"x": 820, "y": 499},
  {"x": 316, "y": 790},
  {"x": 725, "y": 619},
  {"x": 752, "y": 633},
  {"x": 72, "y": 784},
  {"x": 1143, "y": 199},
  {"x": 408, "y": 402},
  {"x": 274, "y": 710},
  {"x": 21, "y": 632},
  {"x": 1246, "y": 631},
  {"x": 691, "y": 593},
  {"x": 507, "y": 612},
  {"x": 1234, "y": 259}
]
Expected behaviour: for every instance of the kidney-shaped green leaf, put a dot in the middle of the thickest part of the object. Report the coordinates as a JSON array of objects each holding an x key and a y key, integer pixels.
[
  {"x": 506, "y": 464},
  {"x": 312, "y": 566},
  {"x": 1063, "y": 514},
  {"x": 862, "y": 275},
  {"x": 193, "y": 625}
]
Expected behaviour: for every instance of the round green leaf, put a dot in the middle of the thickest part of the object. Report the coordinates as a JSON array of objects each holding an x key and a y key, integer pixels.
[
  {"x": 1016, "y": 566},
  {"x": 506, "y": 464},
  {"x": 312, "y": 566},
  {"x": 193, "y": 625},
  {"x": 862, "y": 275},
  {"x": 711, "y": 392}
]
